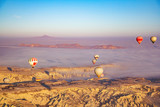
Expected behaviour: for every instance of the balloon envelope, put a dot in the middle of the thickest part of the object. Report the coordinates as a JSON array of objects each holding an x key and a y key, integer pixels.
[
  {"x": 33, "y": 62},
  {"x": 139, "y": 39},
  {"x": 98, "y": 71},
  {"x": 6, "y": 80},
  {"x": 93, "y": 61},
  {"x": 153, "y": 39},
  {"x": 96, "y": 57}
]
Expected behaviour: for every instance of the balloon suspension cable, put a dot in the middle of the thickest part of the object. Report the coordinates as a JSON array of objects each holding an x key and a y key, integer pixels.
[
  {"x": 156, "y": 46},
  {"x": 141, "y": 46}
]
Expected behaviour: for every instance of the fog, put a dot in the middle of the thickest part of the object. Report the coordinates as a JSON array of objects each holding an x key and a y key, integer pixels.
[{"x": 134, "y": 60}]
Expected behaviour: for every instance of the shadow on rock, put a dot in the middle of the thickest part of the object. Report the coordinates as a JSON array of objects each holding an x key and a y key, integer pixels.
[
  {"x": 46, "y": 86},
  {"x": 46, "y": 72},
  {"x": 9, "y": 68}
]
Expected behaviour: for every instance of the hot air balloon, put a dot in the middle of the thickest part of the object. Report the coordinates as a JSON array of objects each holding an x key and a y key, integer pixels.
[
  {"x": 153, "y": 39},
  {"x": 96, "y": 57},
  {"x": 6, "y": 80},
  {"x": 98, "y": 71},
  {"x": 93, "y": 61},
  {"x": 33, "y": 62},
  {"x": 139, "y": 39}
]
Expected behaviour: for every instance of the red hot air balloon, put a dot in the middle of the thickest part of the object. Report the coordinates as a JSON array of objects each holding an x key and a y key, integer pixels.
[
  {"x": 139, "y": 39},
  {"x": 93, "y": 61}
]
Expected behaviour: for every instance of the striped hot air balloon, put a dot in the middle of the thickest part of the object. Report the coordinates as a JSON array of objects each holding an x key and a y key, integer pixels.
[
  {"x": 33, "y": 62},
  {"x": 139, "y": 39}
]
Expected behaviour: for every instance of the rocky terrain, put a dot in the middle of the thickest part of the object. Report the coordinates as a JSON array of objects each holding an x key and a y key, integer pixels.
[
  {"x": 127, "y": 92},
  {"x": 74, "y": 46},
  {"x": 54, "y": 91},
  {"x": 16, "y": 74}
]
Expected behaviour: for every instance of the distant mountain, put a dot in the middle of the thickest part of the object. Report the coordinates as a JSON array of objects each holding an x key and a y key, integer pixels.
[{"x": 44, "y": 37}]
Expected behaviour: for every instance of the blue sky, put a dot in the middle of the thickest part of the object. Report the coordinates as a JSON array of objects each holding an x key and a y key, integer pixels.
[{"x": 20, "y": 18}]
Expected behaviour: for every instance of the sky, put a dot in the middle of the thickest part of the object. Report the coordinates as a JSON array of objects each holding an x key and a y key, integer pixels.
[{"x": 79, "y": 18}]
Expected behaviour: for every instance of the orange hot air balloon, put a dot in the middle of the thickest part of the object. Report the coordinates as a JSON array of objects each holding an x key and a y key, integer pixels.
[
  {"x": 139, "y": 39},
  {"x": 93, "y": 61},
  {"x": 33, "y": 62}
]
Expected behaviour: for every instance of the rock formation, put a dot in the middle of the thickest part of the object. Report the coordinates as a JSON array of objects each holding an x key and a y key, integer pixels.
[
  {"x": 74, "y": 46},
  {"x": 127, "y": 92},
  {"x": 54, "y": 91}
]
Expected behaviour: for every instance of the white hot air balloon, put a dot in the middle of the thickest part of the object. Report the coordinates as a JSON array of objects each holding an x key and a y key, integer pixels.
[
  {"x": 6, "y": 80},
  {"x": 98, "y": 71},
  {"x": 33, "y": 62},
  {"x": 96, "y": 57}
]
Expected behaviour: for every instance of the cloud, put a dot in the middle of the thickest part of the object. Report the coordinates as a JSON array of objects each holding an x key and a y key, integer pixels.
[{"x": 17, "y": 16}]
